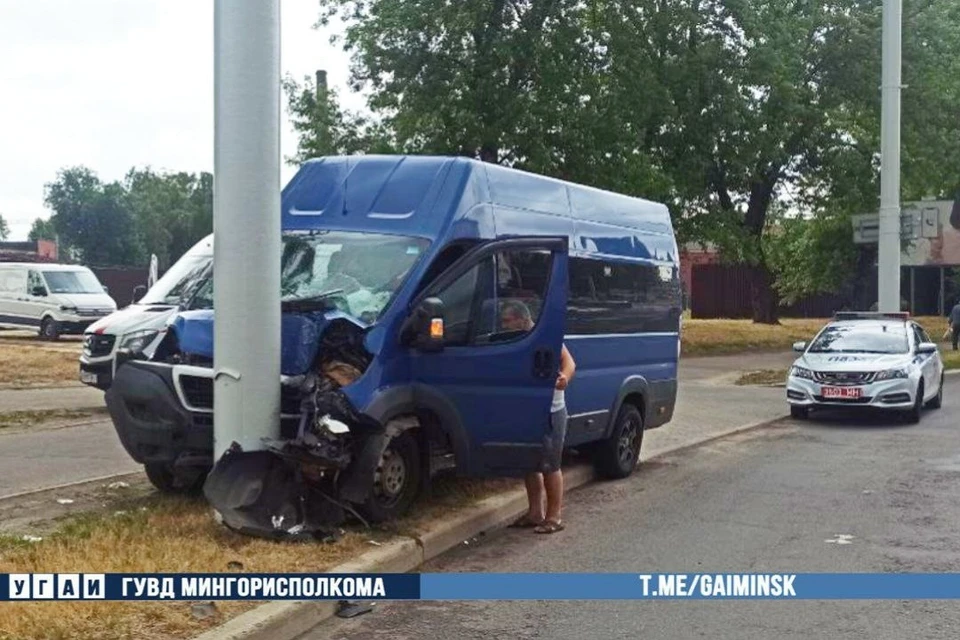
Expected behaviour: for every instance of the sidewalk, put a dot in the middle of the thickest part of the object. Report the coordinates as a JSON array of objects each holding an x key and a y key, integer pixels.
[
  {"x": 34, "y": 460},
  {"x": 72, "y": 397}
]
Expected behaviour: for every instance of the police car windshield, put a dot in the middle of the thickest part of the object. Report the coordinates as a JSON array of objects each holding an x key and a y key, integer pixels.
[{"x": 873, "y": 337}]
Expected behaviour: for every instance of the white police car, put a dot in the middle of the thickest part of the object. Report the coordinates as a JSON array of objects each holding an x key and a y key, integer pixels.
[{"x": 875, "y": 360}]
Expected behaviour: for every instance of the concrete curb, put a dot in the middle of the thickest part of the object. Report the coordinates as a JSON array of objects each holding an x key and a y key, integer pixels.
[{"x": 283, "y": 620}]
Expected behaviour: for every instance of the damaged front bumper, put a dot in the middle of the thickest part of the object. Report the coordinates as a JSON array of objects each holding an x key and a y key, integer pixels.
[{"x": 300, "y": 485}]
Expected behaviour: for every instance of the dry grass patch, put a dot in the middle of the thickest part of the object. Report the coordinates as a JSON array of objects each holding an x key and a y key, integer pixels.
[
  {"x": 30, "y": 365},
  {"x": 20, "y": 420},
  {"x": 718, "y": 337},
  {"x": 177, "y": 535},
  {"x": 765, "y": 377}
]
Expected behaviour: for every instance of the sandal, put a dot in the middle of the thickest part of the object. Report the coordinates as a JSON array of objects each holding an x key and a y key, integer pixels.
[
  {"x": 549, "y": 526},
  {"x": 525, "y": 522}
]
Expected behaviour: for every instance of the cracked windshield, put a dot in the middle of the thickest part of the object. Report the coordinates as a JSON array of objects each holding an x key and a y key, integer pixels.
[{"x": 357, "y": 272}]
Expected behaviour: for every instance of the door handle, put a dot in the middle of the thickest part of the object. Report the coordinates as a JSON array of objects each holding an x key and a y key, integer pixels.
[{"x": 543, "y": 363}]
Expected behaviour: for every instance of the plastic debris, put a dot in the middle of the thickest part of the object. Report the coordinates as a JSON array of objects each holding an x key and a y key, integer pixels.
[
  {"x": 64, "y": 501},
  {"x": 118, "y": 485},
  {"x": 375, "y": 543},
  {"x": 117, "y": 514},
  {"x": 203, "y": 610},
  {"x": 353, "y": 609},
  {"x": 30, "y": 538}
]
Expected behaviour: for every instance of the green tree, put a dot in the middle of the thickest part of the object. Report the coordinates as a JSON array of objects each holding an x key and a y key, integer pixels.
[
  {"x": 324, "y": 129},
  {"x": 93, "y": 219},
  {"x": 4, "y": 228},
  {"x": 42, "y": 230}
]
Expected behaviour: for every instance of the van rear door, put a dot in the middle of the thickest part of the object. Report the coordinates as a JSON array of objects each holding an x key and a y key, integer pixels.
[{"x": 504, "y": 306}]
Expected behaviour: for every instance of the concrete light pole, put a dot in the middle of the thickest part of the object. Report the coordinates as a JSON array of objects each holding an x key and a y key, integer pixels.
[
  {"x": 888, "y": 270},
  {"x": 246, "y": 221}
]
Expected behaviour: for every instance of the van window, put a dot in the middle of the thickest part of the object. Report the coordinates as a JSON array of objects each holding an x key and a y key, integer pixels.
[
  {"x": 71, "y": 282},
  {"x": 622, "y": 297},
  {"x": 497, "y": 300},
  {"x": 13, "y": 281},
  {"x": 35, "y": 283}
]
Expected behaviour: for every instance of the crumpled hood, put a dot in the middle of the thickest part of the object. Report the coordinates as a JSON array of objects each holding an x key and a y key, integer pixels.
[
  {"x": 135, "y": 317},
  {"x": 299, "y": 336},
  {"x": 848, "y": 362}
]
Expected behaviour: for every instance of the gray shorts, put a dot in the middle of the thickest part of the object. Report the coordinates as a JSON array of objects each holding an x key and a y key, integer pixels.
[{"x": 553, "y": 442}]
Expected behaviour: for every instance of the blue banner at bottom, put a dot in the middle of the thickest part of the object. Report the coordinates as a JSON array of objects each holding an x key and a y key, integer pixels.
[{"x": 481, "y": 586}]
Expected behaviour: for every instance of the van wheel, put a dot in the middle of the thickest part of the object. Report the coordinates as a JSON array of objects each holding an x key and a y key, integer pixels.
[
  {"x": 397, "y": 481},
  {"x": 617, "y": 456},
  {"x": 175, "y": 481},
  {"x": 49, "y": 329}
]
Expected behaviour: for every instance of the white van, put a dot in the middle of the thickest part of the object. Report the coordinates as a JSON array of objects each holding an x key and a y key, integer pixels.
[
  {"x": 55, "y": 299},
  {"x": 139, "y": 327}
]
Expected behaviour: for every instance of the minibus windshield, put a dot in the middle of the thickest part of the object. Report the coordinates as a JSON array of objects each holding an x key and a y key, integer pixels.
[{"x": 357, "y": 272}]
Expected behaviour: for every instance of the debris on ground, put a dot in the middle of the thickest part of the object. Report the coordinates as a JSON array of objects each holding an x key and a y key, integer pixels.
[
  {"x": 203, "y": 610},
  {"x": 118, "y": 485},
  {"x": 64, "y": 501},
  {"x": 233, "y": 565},
  {"x": 30, "y": 538},
  {"x": 353, "y": 609}
]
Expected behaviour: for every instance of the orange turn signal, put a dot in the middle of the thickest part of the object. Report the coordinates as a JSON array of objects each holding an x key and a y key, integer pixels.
[{"x": 436, "y": 328}]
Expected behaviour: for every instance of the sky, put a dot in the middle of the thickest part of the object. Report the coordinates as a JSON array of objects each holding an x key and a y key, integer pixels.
[{"x": 113, "y": 84}]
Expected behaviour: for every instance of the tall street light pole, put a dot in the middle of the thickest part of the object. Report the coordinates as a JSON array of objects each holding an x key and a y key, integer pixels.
[
  {"x": 888, "y": 271},
  {"x": 246, "y": 222}
]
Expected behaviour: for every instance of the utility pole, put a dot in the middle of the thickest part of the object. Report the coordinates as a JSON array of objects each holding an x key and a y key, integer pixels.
[
  {"x": 246, "y": 222},
  {"x": 888, "y": 270}
]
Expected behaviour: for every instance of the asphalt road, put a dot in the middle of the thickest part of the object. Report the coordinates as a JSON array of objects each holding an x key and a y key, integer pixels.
[{"x": 774, "y": 499}]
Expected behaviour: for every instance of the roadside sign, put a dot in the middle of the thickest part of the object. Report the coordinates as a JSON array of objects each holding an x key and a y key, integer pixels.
[{"x": 866, "y": 227}]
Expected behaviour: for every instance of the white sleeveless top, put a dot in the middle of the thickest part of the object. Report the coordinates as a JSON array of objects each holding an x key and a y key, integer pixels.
[{"x": 559, "y": 401}]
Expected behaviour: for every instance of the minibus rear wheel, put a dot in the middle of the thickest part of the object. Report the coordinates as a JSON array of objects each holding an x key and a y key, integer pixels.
[
  {"x": 618, "y": 455},
  {"x": 397, "y": 481}
]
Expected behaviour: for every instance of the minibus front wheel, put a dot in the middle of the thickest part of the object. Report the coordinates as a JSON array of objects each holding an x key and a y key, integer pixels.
[
  {"x": 167, "y": 479},
  {"x": 618, "y": 455},
  {"x": 397, "y": 481}
]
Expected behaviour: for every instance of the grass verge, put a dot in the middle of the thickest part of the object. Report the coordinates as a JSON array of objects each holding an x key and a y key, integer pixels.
[
  {"x": 31, "y": 365},
  {"x": 162, "y": 534},
  {"x": 724, "y": 337},
  {"x": 764, "y": 377}
]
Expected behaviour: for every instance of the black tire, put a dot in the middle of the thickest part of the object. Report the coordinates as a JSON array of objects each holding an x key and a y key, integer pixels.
[
  {"x": 914, "y": 415},
  {"x": 937, "y": 401},
  {"x": 617, "y": 456},
  {"x": 49, "y": 329},
  {"x": 175, "y": 481},
  {"x": 397, "y": 483},
  {"x": 799, "y": 413}
]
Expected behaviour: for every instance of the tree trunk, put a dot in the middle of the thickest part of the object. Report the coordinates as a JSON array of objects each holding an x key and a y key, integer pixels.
[{"x": 765, "y": 304}]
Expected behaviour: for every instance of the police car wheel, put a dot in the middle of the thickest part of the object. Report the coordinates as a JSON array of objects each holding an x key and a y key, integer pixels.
[
  {"x": 175, "y": 481},
  {"x": 397, "y": 481},
  {"x": 937, "y": 401},
  {"x": 617, "y": 456},
  {"x": 916, "y": 413}
]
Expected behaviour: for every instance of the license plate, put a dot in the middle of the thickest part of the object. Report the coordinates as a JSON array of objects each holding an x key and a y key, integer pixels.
[
  {"x": 843, "y": 393},
  {"x": 87, "y": 377}
]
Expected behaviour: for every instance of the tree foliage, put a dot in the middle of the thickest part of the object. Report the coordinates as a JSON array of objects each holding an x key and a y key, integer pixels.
[
  {"x": 42, "y": 230},
  {"x": 4, "y": 228},
  {"x": 123, "y": 222},
  {"x": 746, "y": 116}
]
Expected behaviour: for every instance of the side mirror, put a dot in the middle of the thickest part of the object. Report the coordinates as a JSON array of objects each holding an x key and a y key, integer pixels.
[
  {"x": 423, "y": 329},
  {"x": 138, "y": 292},
  {"x": 926, "y": 347},
  {"x": 799, "y": 347},
  {"x": 39, "y": 291}
]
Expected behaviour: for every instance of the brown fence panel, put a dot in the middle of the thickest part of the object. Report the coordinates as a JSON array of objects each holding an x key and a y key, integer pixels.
[
  {"x": 723, "y": 291},
  {"x": 121, "y": 282}
]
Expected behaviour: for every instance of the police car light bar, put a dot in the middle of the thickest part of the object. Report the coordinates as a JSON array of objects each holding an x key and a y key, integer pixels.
[{"x": 870, "y": 315}]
